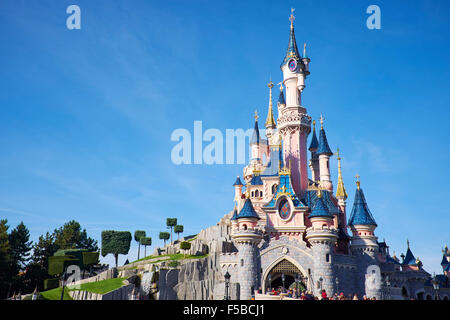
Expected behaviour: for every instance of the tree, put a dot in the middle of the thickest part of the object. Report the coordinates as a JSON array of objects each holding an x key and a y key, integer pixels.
[
  {"x": 171, "y": 222},
  {"x": 115, "y": 242},
  {"x": 138, "y": 234},
  {"x": 146, "y": 241},
  {"x": 20, "y": 249},
  {"x": 164, "y": 236},
  {"x": 185, "y": 246},
  {"x": 4, "y": 258},
  {"x": 57, "y": 266},
  {"x": 70, "y": 236},
  {"x": 178, "y": 229}
]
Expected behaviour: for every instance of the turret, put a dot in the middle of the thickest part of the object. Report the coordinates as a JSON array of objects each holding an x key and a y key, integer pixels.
[
  {"x": 341, "y": 194},
  {"x": 255, "y": 143},
  {"x": 324, "y": 153},
  {"x": 246, "y": 236},
  {"x": 237, "y": 189},
  {"x": 364, "y": 245},
  {"x": 281, "y": 101},
  {"x": 314, "y": 161},
  {"x": 322, "y": 236}
]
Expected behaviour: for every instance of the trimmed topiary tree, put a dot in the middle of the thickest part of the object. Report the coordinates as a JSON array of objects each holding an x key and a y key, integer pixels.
[
  {"x": 164, "y": 236},
  {"x": 171, "y": 222},
  {"x": 138, "y": 234},
  {"x": 146, "y": 241},
  {"x": 57, "y": 266},
  {"x": 115, "y": 242},
  {"x": 185, "y": 246},
  {"x": 178, "y": 229}
]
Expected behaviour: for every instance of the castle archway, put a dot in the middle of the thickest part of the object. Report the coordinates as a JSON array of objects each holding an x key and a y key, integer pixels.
[{"x": 284, "y": 273}]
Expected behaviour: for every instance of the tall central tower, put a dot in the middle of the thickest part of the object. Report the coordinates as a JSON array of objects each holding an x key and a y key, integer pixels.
[{"x": 293, "y": 123}]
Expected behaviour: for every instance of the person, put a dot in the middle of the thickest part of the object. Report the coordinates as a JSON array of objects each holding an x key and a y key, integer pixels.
[
  {"x": 303, "y": 296},
  {"x": 341, "y": 296},
  {"x": 324, "y": 295},
  {"x": 355, "y": 297},
  {"x": 364, "y": 297}
]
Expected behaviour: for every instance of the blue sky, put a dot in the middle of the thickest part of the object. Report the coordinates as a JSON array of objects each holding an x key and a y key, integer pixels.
[{"x": 86, "y": 115}]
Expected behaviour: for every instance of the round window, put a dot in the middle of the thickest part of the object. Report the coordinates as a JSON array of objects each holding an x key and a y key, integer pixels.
[{"x": 284, "y": 209}]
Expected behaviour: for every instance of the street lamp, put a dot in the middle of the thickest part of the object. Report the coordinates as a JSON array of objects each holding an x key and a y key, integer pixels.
[
  {"x": 297, "y": 281},
  {"x": 227, "y": 286},
  {"x": 320, "y": 281},
  {"x": 435, "y": 287},
  {"x": 282, "y": 279},
  {"x": 270, "y": 282},
  {"x": 337, "y": 285},
  {"x": 35, "y": 294}
]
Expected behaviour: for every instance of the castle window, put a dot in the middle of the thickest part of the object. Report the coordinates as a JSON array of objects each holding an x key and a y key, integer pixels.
[
  {"x": 274, "y": 188},
  {"x": 327, "y": 257},
  {"x": 242, "y": 262},
  {"x": 245, "y": 227},
  {"x": 253, "y": 193},
  {"x": 257, "y": 193}
]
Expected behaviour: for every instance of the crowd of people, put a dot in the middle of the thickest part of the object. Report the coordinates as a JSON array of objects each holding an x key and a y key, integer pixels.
[{"x": 307, "y": 295}]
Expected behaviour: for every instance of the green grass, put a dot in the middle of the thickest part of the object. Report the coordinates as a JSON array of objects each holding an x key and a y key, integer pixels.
[
  {"x": 100, "y": 287},
  {"x": 55, "y": 294}
]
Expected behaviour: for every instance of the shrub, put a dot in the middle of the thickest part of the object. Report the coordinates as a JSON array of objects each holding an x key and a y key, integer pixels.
[
  {"x": 58, "y": 264},
  {"x": 173, "y": 264},
  {"x": 51, "y": 284}
]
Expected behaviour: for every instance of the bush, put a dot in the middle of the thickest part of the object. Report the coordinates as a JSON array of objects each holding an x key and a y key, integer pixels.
[
  {"x": 90, "y": 258},
  {"x": 185, "y": 245},
  {"x": 58, "y": 264},
  {"x": 51, "y": 284}
]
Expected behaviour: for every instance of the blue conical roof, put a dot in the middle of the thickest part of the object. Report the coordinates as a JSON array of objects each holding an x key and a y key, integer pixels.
[
  {"x": 314, "y": 143},
  {"x": 234, "y": 217},
  {"x": 323, "y": 147},
  {"x": 444, "y": 260},
  {"x": 409, "y": 258},
  {"x": 247, "y": 210},
  {"x": 292, "y": 50},
  {"x": 320, "y": 209},
  {"x": 238, "y": 182},
  {"x": 360, "y": 213},
  {"x": 255, "y": 137}
]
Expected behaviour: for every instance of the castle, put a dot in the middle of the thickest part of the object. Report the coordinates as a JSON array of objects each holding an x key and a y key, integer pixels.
[{"x": 287, "y": 227}]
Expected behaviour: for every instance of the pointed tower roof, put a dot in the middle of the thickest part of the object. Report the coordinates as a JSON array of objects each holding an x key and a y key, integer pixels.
[
  {"x": 238, "y": 182},
  {"x": 323, "y": 147},
  {"x": 340, "y": 190},
  {"x": 281, "y": 100},
  {"x": 234, "y": 217},
  {"x": 255, "y": 137},
  {"x": 270, "y": 122},
  {"x": 444, "y": 260},
  {"x": 292, "y": 50},
  {"x": 409, "y": 257},
  {"x": 360, "y": 212},
  {"x": 320, "y": 209},
  {"x": 314, "y": 143},
  {"x": 247, "y": 210}
]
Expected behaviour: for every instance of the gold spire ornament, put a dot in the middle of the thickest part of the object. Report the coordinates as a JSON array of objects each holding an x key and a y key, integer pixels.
[
  {"x": 321, "y": 121},
  {"x": 358, "y": 183},
  {"x": 292, "y": 17},
  {"x": 340, "y": 190},
  {"x": 270, "y": 121},
  {"x": 319, "y": 191},
  {"x": 256, "y": 115}
]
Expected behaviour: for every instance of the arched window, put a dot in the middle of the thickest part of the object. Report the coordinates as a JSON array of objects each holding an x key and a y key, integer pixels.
[
  {"x": 256, "y": 193},
  {"x": 253, "y": 193},
  {"x": 245, "y": 226},
  {"x": 274, "y": 188}
]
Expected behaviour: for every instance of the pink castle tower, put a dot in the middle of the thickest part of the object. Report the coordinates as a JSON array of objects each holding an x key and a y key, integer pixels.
[{"x": 293, "y": 123}]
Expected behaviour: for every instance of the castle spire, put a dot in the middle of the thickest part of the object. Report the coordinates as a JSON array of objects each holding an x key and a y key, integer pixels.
[
  {"x": 270, "y": 122},
  {"x": 314, "y": 143},
  {"x": 340, "y": 190},
  {"x": 292, "y": 50}
]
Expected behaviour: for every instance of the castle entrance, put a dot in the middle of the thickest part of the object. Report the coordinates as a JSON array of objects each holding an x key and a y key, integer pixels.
[{"x": 284, "y": 275}]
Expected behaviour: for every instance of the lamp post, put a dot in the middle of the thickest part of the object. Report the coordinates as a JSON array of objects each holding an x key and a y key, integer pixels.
[
  {"x": 282, "y": 279},
  {"x": 270, "y": 282},
  {"x": 227, "y": 286},
  {"x": 297, "y": 287},
  {"x": 35, "y": 294},
  {"x": 320, "y": 282},
  {"x": 435, "y": 283},
  {"x": 337, "y": 285}
]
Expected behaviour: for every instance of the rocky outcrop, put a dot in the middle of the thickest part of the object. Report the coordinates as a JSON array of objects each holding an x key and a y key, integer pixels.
[{"x": 195, "y": 280}]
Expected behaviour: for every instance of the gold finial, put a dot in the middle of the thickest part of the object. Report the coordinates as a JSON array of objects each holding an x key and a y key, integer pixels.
[
  {"x": 319, "y": 191},
  {"x": 340, "y": 190},
  {"x": 321, "y": 121},
  {"x": 358, "y": 183},
  {"x": 270, "y": 85},
  {"x": 247, "y": 191},
  {"x": 314, "y": 125},
  {"x": 256, "y": 115},
  {"x": 292, "y": 17}
]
